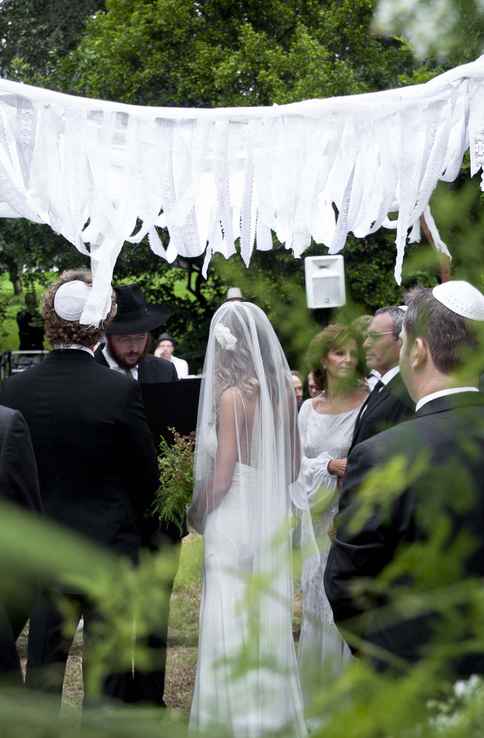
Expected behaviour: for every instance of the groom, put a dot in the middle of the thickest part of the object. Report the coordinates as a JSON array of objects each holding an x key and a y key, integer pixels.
[{"x": 439, "y": 509}]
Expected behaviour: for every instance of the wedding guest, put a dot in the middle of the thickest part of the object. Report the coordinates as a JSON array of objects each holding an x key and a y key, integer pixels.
[
  {"x": 19, "y": 485},
  {"x": 326, "y": 425},
  {"x": 246, "y": 459},
  {"x": 30, "y": 326},
  {"x": 127, "y": 338},
  {"x": 166, "y": 347},
  {"x": 361, "y": 325},
  {"x": 96, "y": 460},
  {"x": 313, "y": 387},
  {"x": 440, "y": 498},
  {"x": 298, "y": 388},
  {"x": 388, "y": 403}
]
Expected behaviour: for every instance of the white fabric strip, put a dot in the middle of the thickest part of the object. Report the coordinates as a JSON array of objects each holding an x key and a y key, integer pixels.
[{"x": 103, "y": 173}]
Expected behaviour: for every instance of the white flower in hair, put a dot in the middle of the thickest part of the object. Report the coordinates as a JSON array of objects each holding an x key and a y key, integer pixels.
[{"x": 224, "y": 337}]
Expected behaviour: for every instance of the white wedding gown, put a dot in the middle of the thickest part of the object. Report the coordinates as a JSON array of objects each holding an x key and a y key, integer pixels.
[
  {"x": 322, "y": 652},
  {"x": 247, "y": 678}
]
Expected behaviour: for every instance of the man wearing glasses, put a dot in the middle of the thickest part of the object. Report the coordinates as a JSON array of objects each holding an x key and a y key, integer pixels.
[{"x": 389, "y": 402}]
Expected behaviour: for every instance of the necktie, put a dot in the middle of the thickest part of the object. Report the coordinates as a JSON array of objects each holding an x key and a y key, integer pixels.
[{"x": 370, "y": 400}]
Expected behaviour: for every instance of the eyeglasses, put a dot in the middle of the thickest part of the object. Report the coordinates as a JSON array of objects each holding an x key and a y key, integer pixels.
[{"x": 375, "y": 335}]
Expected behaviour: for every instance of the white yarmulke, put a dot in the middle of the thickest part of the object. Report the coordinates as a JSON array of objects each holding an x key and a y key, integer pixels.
[
  {"x": 70, "y": 299},
  {"x": 462, "y": 298}
]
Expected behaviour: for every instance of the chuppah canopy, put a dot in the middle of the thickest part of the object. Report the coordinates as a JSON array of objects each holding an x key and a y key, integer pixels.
[{"x": 102, "y": 173}]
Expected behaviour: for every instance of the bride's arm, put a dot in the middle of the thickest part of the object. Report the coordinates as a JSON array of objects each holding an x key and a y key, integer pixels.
[{"x": 226, "y": 456}]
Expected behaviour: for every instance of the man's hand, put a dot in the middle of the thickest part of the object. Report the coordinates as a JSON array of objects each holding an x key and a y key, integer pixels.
[{"x": 337, "y": 467}]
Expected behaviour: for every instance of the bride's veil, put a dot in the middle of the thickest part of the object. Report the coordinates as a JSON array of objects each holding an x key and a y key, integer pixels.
[
  {"x": 245, "y": 366},
  {"x": 247, "y": 376}
]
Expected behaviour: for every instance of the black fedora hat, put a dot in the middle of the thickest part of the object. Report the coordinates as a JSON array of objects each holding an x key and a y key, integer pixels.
[{"x": 134, "y": 314}]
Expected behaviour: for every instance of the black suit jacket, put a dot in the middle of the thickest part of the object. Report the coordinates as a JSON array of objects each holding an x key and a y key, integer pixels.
[
  {"x": 384, "y": 409},
  {"x": 154, "y": 371},
  {"x": 151, "y": 369},
  {"x": 95, "y": 454},
  {"x": 19, "y": 482},
  {"x": 448, "y": 435}
]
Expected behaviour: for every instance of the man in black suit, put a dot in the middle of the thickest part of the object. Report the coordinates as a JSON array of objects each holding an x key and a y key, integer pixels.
[
  {"x": 96, "y": 459},
  {"x": 432, "y": 513},
  {"x": 19, "y": 485},
  {"x": 127, "y": 339},
  {"x": 388, "y": 403}
]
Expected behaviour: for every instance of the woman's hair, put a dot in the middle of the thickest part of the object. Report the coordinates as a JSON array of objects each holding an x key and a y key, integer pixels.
[
  {"x": 236, "y": 367},
  {"x": 63, "y": 331},
  {"x": 334, "y": 336}
]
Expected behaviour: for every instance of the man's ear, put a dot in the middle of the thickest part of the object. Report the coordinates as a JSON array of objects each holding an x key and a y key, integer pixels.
[{"x": 419, "y": 353}]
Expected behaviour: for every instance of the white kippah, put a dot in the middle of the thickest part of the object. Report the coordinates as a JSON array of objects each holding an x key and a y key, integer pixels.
[
  {"x": 70, "y": 299},
  {"x": 462, "y": 298}
]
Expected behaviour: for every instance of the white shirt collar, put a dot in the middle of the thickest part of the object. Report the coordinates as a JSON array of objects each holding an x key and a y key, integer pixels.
[
  {"x": 388, "y": 376},
  {"x": 73, "y": 346},
  {"x": 113, "y": 364},
  {"x": 442, "y": 393}
]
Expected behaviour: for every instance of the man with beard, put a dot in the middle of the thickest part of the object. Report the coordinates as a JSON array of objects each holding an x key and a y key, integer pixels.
[
  {"x": 125, "y": 351},
  {"x": 127, "y": 339}
]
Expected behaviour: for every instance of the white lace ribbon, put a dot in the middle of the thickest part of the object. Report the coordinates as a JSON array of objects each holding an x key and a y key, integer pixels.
[{"x": 103, "y": 173}]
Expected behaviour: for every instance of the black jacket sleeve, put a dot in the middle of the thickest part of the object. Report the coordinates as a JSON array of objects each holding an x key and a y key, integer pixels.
[
  {"x": 19, "y": 481},
  {"x": 359, "y": 554},
  {"x": 142, "y": 458}
]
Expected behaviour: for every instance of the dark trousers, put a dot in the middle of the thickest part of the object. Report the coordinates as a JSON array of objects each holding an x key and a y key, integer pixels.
[
  {"x": 11, "y": 625},
  {"x": 13, "y": 617},
  {"x": 148, "y": 685},
  {"x": 51, "y": 634}
]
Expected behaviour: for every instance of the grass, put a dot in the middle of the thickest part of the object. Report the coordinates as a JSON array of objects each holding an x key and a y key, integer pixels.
[{"x": 182, "y": 636}]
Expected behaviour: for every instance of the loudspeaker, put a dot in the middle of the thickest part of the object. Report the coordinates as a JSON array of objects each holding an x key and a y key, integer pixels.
[{"x": 325, "y": 281}]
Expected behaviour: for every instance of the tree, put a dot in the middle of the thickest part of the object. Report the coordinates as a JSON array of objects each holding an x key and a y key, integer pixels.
[
  {"x": 35, "y": 33},
  {"x": 209, "y": 53}
]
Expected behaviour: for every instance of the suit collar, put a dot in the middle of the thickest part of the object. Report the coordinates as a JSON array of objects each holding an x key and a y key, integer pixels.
[
  {"x": 394, "y": 387},
  {"x": 452, "y": 402},
  {"x": 68, "y": 355},
  {"x": 390, "y": 374}
]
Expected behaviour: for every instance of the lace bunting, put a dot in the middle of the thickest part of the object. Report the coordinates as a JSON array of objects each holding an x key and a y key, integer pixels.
[{"x": 103, "y": 173}]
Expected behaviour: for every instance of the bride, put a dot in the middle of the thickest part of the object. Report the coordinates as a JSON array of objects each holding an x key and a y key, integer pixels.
[{"x": 246, "y": 458}]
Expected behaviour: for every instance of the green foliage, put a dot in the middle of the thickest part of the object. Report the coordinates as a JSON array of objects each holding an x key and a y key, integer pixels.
[
  {"x": 449, "y": 31},
  {"x": 35, "y": 33},
  {"x": 175, "y": 462}
]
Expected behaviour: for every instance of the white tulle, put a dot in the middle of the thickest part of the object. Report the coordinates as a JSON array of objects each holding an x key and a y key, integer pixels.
[
  {"x": 247, "y": 456},
  {"x": 102, "y": 173}
]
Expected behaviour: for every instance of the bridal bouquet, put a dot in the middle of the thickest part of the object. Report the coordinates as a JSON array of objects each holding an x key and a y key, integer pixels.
[{"x": 175, "y": 462}]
